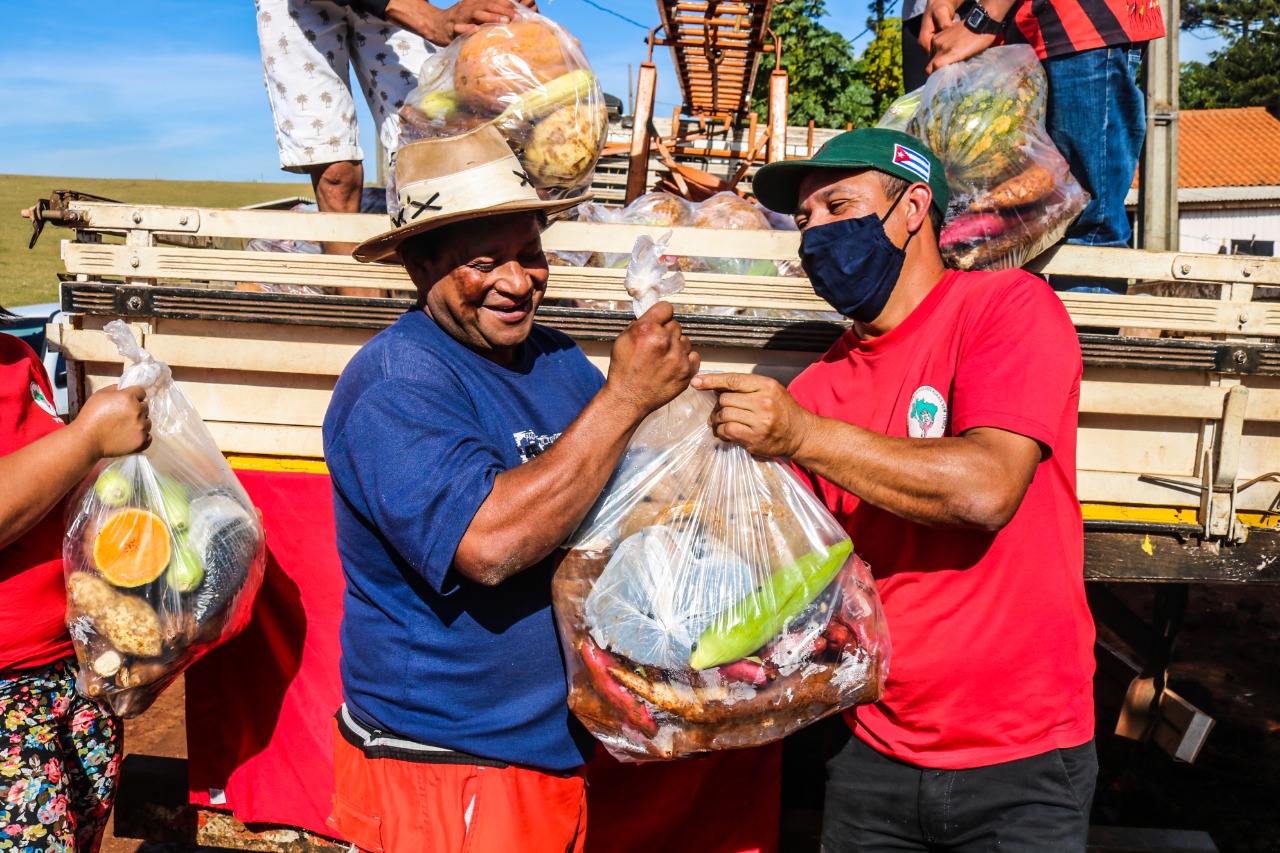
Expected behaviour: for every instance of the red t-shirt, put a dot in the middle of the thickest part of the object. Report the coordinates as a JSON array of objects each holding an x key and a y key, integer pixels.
[
  {"x": 1062, "y": 27},
  {"x": 992, "y": 637},
  {"x": 33, "y": 600}
]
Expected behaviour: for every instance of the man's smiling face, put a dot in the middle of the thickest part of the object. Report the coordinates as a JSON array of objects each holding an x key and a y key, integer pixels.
[{"x": 483, "y": 279}]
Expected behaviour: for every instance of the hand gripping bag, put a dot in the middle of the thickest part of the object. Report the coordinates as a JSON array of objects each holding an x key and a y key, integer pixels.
[
  {"x": 532, "y": 81},
  {"x": 1012, "y": 195},
  {"x": 709, "y": 601},
  {"x": 163, "y": 553}
]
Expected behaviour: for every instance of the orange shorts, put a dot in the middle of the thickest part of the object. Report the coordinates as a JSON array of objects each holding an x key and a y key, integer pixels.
[{"x": 386, "y": 804}]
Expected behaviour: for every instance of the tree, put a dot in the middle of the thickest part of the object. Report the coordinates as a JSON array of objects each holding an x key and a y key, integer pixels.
[
  {"x": 1246, "y": 71},
  {"x": 882, "y": 64},
  {"x": 825, "y": 81}
]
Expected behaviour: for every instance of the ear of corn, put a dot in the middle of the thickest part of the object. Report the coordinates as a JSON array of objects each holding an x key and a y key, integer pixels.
[
  {"x": 572, "y": 88},
  {"x": 762, "y": 615},
  {"x": 438, "y": 105}
]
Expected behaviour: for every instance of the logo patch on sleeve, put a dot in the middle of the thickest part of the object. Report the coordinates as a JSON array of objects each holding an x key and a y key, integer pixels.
[
  {"x": 927, "y": 415},
  {"x": 42, "y": 401}
]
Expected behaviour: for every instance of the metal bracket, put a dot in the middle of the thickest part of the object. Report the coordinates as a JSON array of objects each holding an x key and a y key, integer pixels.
[{"x": 1217, "y": 484}]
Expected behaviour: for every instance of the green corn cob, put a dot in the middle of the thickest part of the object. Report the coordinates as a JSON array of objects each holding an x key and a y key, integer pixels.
[
  {"x": 572, "y": 88},
  {"x": 761, "y": 616}
]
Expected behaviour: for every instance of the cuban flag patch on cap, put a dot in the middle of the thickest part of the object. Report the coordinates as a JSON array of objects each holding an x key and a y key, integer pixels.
[{"x": 913, "y": 161}]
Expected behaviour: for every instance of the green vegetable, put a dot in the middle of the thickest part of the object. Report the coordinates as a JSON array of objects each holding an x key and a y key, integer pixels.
[
  {"x": 113, "y": 488},
  {"x": 761, "y": 616},
  {"x": 185, "y": 572},
  {"x": 173, "y": 500}
]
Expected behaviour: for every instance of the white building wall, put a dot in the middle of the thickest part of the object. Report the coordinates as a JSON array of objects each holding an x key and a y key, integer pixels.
[{"x": 1207, "y": 230}]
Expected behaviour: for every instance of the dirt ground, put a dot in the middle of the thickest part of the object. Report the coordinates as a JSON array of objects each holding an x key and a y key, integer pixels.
[{"x": 1226, "y": 663}]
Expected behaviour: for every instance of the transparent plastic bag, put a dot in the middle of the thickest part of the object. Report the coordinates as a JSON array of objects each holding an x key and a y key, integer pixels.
[
  {"x": 164, "y": 552},
  {"x": 709, "y": 601},
  {"x": 726, "y": 211},
  {"x": 530, "y": 79},
  {"x": 1012, "y": 195}
]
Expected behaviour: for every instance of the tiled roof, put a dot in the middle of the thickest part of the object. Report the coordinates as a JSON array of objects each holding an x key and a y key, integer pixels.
[{"x": 1228, "y": 148}]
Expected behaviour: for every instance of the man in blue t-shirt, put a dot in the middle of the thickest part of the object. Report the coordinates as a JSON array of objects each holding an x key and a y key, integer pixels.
[{"x": 465, "y": 444}]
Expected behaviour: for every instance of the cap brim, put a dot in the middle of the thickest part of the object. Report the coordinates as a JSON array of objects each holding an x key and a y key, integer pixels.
[
  {"x": 384, "y": 246},
  {"x": 777, "y": 185}
]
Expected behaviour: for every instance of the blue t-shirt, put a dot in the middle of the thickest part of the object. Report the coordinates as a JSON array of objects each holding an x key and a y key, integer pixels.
[{"x": 418, "y": 429}]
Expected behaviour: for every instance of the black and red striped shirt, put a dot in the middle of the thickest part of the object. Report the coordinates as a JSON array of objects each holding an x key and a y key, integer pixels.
[{"x": 1061, "y": 27}]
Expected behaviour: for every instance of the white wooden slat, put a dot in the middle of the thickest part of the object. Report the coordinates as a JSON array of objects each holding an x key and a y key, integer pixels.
[
  {"x": 169, "y": 263},
  {"x": 1112, "y": 444},
  {"x": 712, "y": 289},
  {"x": 268, "y": 439},
  {"x": 570, "y": 236},
  {"x": 218, "y": 353}
]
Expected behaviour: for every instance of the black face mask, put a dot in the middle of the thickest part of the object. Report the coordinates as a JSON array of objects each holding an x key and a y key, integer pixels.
[{"x": 852, "y": 264}]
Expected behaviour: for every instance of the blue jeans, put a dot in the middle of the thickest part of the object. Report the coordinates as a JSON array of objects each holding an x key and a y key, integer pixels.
[
  {"x": 1097, "y": 118},
  {"x": 1032, "y": 805}
]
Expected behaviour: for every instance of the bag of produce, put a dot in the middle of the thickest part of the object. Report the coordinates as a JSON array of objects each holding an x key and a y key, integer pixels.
[
  {"x": 531, "y": 79},
  {"x": 709, "y": 601},
  {"x": 1012, "y": 196},
  {"x": 164, "y": 552}
]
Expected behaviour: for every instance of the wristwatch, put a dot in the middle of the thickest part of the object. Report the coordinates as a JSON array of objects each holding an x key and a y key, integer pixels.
[{"x": 977, "y": 20}]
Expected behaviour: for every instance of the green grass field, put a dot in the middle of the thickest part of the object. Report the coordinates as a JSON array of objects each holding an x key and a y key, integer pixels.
[{"x": 28, "y": 277}]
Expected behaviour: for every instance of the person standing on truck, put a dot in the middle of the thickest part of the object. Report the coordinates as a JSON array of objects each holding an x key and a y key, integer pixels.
[
  {"x": 61, "y": 754},
  {"x": 1096, "y": 114},
  {"x": 466, "y": 442},
  {"x": 941, "y": 431},
  {"x": 308, "y": 48}
]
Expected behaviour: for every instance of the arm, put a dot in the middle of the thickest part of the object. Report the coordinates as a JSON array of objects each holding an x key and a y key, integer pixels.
[
  {"x": 534, "y": 507},
  {"x": 113, "y": 423},
  {"x": 441, "y": 26},
  {"x": 976, "y": 479},
  {"x": 947, "y": 40}
]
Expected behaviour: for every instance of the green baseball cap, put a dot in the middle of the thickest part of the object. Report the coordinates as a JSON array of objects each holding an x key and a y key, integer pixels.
[{"x": 777, "y": 185}]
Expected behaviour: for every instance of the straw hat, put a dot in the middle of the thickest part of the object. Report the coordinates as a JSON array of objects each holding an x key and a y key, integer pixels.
[{"x": 453, "y": 179}]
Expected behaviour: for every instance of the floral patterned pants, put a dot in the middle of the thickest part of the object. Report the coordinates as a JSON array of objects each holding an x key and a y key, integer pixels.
[{"x": 59, "y": 758}]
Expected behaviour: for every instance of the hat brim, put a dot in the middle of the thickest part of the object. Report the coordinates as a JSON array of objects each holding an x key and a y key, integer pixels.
[
  {"x": 384, "y": 246},
  {"x": 777, "y": 185}
]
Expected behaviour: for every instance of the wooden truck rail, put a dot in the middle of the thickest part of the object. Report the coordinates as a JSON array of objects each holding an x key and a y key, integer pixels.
[{"x": 1179, "y": 434}]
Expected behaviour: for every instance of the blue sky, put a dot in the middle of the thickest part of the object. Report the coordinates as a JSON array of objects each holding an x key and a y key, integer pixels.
[{"x": 173, "y": 88}]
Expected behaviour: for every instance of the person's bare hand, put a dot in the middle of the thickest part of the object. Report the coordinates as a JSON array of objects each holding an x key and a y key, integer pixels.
[
  {"x": 465, "y": 15},
  {"x": 29, "y": 213},
  {"x": 652, "y": 361},
  {"x": 757, "y": 413},
  {"x": 939, "y": 15},
  {"x": 115, "y": 421},
  {"x": 442, "y": 26},
  {"x": 956, "y": 44}
]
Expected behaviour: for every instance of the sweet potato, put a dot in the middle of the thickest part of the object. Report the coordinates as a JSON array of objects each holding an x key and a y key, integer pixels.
[
  {"x": 747, "y": 672},
  {"x": 1032, "y": 185},
  {"x": 970, "y": 228},
  {"x": 600, "y": 666}
]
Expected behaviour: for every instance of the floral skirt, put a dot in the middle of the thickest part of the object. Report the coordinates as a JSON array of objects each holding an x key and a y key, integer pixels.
[{"x": 59, "y": 758}]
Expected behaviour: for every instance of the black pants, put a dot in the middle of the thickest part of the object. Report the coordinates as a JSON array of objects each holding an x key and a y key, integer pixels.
[{"x": 1036, "y": 804}]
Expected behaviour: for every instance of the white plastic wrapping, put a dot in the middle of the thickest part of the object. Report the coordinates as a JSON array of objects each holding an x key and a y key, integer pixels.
[
  {"x": 709, "y": 601},
  {"x": 164, "y": 552},
  {"x": 531, "y": 80},
  {"x": 1012, "y": 195}
]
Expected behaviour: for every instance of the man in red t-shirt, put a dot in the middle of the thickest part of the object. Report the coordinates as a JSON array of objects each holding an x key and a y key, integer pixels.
[{"x": 941, "y": 431}]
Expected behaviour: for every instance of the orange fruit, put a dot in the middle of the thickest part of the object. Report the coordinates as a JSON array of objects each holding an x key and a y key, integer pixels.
[{"x": 132, "y": 547}]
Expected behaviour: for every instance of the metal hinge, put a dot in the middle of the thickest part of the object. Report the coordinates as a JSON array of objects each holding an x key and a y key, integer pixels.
[{"x": 1217, "y": 485}]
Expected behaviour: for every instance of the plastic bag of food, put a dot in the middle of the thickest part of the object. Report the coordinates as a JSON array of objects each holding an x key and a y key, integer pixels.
[
  {"x": 163, "y": 553},
  {"x": 1012, "y": 195},
  {"x": 726, "y": 211},
  {"x": 531, "y": 79},
  {"x": 709, "y": 601}
]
